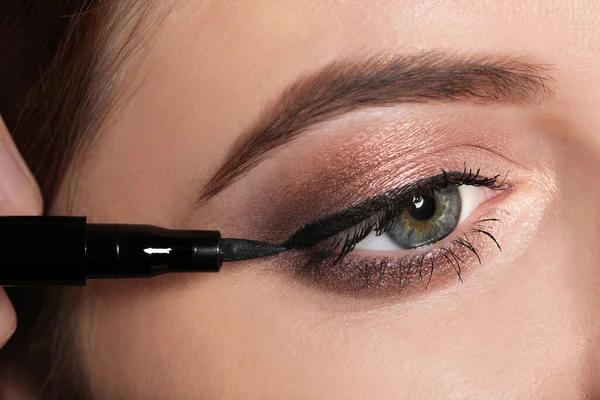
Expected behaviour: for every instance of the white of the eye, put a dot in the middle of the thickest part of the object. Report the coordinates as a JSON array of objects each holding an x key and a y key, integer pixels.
[
  {"x": 470, "y": 197},
  {"x": 377, "y": 243}
]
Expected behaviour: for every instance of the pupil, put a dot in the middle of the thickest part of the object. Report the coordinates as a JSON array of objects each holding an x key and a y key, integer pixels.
[{"x": 422, "y": 207}]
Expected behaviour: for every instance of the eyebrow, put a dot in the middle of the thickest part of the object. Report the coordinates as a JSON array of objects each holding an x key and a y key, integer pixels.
[{"x": 380, "y": 81}]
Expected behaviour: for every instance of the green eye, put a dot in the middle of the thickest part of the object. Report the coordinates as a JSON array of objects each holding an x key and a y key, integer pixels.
[{"x": 428, "y": 219}]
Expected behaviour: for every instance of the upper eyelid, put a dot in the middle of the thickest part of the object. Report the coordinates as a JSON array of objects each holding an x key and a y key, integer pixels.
[{"x": 348, "y": 218}]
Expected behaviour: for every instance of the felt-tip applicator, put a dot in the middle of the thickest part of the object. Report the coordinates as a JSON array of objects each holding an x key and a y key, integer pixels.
[{"x": 68, "y": 251}]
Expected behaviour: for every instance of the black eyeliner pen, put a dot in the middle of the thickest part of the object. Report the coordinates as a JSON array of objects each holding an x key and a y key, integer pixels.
[{"x": 43, "y": 251}]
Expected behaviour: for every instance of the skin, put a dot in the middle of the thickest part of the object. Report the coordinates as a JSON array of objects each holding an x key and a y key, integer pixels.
[
  {"x": 19, "y": 195},
  {"x": 522, "y": 325}
]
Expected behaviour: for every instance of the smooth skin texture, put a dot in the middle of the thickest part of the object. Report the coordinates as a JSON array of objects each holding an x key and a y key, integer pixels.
[{"x": 522, "y": 325}]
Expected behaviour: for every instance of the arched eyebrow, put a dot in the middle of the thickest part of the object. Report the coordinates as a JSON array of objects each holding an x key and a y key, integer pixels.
[{"x": 348, "y": 85}]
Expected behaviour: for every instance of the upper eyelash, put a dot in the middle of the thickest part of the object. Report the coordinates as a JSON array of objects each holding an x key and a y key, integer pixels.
[{"x": 348, "y": 227}]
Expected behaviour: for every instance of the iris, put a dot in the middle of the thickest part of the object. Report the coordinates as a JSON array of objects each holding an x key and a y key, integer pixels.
[{"x": 428, "y": 218}]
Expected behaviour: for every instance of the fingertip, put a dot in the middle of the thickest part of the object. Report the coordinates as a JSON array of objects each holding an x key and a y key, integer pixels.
[
  {"x": 8, "y": 318},
  {"x": 19, "y": 192}
]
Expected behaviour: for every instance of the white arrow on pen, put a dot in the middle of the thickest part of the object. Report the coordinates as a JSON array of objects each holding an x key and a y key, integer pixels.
[{"x": 150, "y": 250}]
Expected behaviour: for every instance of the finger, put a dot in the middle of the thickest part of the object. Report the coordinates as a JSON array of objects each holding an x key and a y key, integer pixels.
[
  {"x": 8, "y": 318},
  {"x": 19, "y": 193}
]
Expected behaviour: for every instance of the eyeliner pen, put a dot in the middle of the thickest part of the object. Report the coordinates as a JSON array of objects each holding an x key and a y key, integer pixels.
[{"x": 42, "y": 251}]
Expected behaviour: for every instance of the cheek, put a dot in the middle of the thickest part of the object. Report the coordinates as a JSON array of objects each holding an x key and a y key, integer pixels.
[
  {"x": 247, "y": 332},
  {"x": 192, "y": 334}
]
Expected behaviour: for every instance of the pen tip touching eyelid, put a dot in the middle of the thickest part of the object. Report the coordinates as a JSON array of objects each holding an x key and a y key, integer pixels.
[{"x": 244, "y": 249}]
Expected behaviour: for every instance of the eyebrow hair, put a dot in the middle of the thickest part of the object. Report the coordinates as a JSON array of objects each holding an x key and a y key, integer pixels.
[{"x": 380, "y": 81}]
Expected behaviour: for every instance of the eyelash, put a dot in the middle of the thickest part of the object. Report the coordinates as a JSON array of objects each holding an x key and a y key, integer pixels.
[{"x": 378, "y": 215}]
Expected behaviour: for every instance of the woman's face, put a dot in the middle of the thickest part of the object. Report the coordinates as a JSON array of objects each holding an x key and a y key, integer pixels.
[{"x": 257, "y": 118}]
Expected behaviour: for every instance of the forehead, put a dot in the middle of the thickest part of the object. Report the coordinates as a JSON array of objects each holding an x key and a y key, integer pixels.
[
  {"x": 305, "y": 20},
  {"x": 259, "y": 47}
]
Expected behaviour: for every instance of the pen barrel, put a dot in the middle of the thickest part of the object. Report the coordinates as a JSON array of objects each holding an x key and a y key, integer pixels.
[
  {"x": 42, "y": 251},
  {"x": 137, "y": 251}
]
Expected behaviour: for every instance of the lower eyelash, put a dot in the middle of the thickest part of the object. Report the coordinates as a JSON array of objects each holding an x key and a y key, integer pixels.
[
  {"x": 393, "y": 275},
  {"x": 377, "y": 215}
]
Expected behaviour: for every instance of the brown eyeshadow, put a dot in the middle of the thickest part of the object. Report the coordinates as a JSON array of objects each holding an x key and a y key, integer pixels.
[
  {"x": 350, "y": 174},
  {"x": 339, "y": 165},
  {"x": 358, "y": 275}
]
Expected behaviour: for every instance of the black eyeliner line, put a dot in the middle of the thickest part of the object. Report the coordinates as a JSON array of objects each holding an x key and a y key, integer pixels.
[{"x": 333, "y": 224}]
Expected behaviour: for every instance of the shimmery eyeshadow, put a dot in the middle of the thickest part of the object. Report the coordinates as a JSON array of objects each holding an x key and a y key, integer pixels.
[
  {"x": 317, "y": 178},
  {"x": 393, "y": 275}
]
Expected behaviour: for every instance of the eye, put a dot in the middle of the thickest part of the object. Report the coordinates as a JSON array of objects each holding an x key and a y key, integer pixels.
[
  {"x": 417, "y": 214},
  {"x": 427, "y": 219},
  {"x": 367, "y": 247}
]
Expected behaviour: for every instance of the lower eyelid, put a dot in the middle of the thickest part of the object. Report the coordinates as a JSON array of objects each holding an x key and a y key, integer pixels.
[
  {"x": 370, "y": 275},
  {"x": 373, "y": 274},
  {"x": 391, "y": 272},
  {"x": 487, "y": 222}
]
